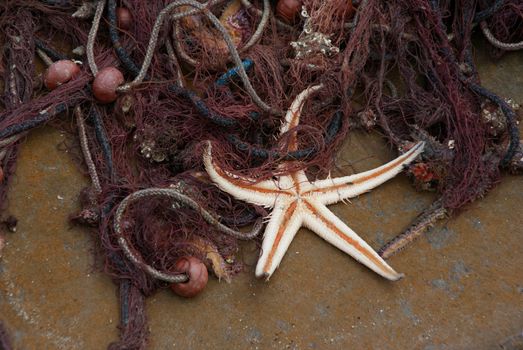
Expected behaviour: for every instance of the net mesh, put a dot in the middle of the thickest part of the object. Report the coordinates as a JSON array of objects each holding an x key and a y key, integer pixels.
[{"x": 404, "y": 68}]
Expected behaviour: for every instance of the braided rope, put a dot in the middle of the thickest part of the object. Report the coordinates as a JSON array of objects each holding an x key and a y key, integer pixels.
[
  {"x": 225, "y": 34},
  {"x": 261, "y": 26},
  {"x": 84, "y": 144},
  {"x": 496, "y": 43},
  {"x": 138, "y": 261},
  {"x": 92, "y": 36},
  {"x": 252, "y": 40},
  {"x": 250, "y": 7},
  {"x": 44, "y": 57},
  {"x": 422, "y": 223}
]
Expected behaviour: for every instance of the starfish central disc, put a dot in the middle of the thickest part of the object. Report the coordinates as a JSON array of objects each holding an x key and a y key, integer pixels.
[{"x": 297, "y": 202}]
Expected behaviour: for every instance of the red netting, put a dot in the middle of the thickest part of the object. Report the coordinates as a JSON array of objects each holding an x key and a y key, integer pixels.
[{"x": 402, "y": 67}]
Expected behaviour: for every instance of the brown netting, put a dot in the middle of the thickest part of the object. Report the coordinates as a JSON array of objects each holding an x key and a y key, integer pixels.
[
  {"x": 404, "y": 68},
  {"x": 506, "y": 24}
]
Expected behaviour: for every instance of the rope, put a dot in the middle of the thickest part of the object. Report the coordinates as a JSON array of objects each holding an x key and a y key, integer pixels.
[
  {"x": 42, "y": 117},
  {"x": 115, "y": 39},
  {"x": 92, "y": 37},
  {"x": 510, "y": 116},
  {"x": 103, "y": 140},
  {"x": 259, "y": 12},
  {"x": 496, "y": 43},
  {"x": 426, "y": 220},
  {"x": 44, "y": 57},
  {"x": 194, "y": 11},
  {"x": 252, "y": 40},
  {"x": 178, "y": 197},
  {"x": 53, "y": 54},
  {"x": 84, "y": 144},
  {"x": 261, "y": 26},
  {"x": 263, "y": 153},
  {"x": 230, "y": 45},
  {"x": 226, "y": 77}
]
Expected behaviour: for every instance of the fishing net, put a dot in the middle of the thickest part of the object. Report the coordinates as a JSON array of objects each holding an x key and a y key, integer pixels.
[{"x": 225, "y": 72}]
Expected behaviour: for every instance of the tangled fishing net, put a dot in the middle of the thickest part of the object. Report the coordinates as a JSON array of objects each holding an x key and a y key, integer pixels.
[{"x": 226, "y": 71}]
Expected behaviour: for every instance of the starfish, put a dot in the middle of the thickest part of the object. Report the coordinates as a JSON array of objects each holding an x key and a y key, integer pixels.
[{"x": 298, "y": 202}]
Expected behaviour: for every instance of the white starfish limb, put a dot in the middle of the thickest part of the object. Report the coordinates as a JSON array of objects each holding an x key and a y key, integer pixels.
[
  {"x": 341, "y": 188},
  {"x": 329, "y": 227},
  {"x": 297, "y": 202},
  {"x": 248, "y": 190}
]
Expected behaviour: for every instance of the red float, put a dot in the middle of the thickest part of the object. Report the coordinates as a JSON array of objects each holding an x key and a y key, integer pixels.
[
  {"x": 288, "y": 9},
  {"x": 105, "y": 84},
  {"x": 197, "y": 273},
  {"x": 124, "y": 19},
  {"x": 60, "y": 72}
]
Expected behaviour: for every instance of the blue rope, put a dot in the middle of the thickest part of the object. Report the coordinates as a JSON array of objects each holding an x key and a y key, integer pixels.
[{"x": 233, "y": 72}]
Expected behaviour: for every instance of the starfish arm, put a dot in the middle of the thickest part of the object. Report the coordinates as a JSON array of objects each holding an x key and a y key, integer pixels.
[
  {"x": 328, "y": 226},
  {"x": 301, "y": 181},
  {"x": 262, "y": 193},
  {"x": 285, "y": 221},
  {"x": 292, "y": 118},
  {"x": 295, "y": 182},
  {"x": 330, "y": 191}
]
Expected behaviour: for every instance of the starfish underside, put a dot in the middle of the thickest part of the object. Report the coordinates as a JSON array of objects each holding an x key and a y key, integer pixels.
[{"x": 298, "y": 202}]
